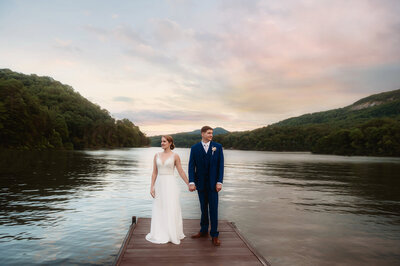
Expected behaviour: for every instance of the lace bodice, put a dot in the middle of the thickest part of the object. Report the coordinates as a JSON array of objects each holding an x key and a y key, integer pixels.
[{"x": 166, "y": 167}]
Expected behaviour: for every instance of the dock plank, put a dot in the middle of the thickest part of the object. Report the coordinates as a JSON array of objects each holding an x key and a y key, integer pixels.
[{"x": 234, "y": 249}]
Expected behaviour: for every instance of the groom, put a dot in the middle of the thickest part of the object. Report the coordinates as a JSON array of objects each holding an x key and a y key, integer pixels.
[{"x": 206, "y": 170}]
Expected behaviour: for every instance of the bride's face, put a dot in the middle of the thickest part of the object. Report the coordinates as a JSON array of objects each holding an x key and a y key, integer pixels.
[{"x": 164, "y": 143}]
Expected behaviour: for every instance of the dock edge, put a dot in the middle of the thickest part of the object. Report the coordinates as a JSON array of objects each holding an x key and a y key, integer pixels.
[
  {"x": 252, "y": 249},
  {"x": 122, "y": 249}
]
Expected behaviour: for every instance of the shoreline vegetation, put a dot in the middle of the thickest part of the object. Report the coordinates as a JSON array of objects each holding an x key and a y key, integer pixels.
[{"x": 40, "y": 113}]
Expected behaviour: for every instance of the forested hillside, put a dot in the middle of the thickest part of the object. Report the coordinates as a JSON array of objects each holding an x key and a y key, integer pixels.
[
  {"x": 42, "y": 113},
  {"x": 386, "y": 104},
  {"x": 370, "y": 126}
]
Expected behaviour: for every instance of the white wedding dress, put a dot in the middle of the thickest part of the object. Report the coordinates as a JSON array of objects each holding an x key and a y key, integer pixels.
[{"x": 166, "y": 217}]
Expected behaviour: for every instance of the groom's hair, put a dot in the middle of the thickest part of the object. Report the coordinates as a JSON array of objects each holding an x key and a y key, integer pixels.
[{"x": 205, "y": 128}]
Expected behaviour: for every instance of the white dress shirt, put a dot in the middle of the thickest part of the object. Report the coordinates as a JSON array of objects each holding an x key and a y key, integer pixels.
[{"x": 206, "y": 145}]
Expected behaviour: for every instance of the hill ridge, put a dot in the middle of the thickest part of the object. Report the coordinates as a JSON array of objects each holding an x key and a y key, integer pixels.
[{"x": 39, "y": 112}]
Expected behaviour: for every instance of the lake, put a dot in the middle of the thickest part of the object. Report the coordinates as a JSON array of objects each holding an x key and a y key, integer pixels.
[{"x": 75, "y": 207}]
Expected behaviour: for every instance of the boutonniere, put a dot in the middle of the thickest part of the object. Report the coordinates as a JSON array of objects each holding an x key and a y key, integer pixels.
[{"x": 213, "y": 150}]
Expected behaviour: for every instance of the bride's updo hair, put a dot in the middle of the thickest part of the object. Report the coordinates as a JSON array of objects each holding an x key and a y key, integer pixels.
[{"x": 170, "y": 140}]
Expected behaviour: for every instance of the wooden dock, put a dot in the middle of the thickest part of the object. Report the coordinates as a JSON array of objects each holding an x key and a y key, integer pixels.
[{"x": 234, "y": 249}]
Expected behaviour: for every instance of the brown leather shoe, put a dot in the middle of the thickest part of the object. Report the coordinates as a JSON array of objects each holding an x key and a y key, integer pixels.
[
  {"x": 216, "y": 241},
  {"x": 200, "y": 234}
]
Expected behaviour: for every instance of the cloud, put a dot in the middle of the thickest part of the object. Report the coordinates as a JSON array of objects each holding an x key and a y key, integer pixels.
[
  {"x": 153, "y": 117},
  {"x": 265, "y": 58},
  {"x": 100, "y": 33},
  {"x": 287, "y": 55},
  {"x": 250, "y": 62},
  {"x": 160, "y": 121},
  {"x": 167, "y": 31},
  {"x": 123, "y": 99},
  {"x": 66, "y": 45}
]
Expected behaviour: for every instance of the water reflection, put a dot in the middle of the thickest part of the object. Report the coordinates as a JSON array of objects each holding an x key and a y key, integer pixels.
[
  {"x": 37, "y": 184},
  {"x": 74, "y": 207},
  {"x": 316, "y": 210},
  {"x": 375, "y": 183}
]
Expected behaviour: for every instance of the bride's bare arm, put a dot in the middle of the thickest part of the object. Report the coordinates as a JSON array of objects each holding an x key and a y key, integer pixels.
[
  {"x": 180, "y": 170},
  {"x": 154, "y": 176}
]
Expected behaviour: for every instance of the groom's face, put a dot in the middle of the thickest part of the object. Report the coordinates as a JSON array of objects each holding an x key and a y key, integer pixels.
[{"x": 208, "y": 135}]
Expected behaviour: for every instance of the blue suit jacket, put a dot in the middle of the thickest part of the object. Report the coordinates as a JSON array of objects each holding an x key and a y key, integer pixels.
[{"x": 197, "y": 170}]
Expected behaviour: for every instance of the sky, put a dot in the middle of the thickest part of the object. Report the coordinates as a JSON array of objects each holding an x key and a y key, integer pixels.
[{"x": 175, "y": 66}]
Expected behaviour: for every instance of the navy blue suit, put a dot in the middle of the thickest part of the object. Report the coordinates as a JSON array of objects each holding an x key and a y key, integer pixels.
[{"x": 205, "y": 170}]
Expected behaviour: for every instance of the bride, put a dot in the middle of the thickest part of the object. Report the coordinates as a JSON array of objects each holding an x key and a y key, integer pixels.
[{"x": 166, "y": 217}]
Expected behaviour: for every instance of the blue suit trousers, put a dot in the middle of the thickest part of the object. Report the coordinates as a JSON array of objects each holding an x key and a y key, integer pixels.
[{"x": 208, "y": 198}]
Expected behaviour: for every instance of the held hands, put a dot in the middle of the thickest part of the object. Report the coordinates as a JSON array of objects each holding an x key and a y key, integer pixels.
[
  {"x": 153, "y": 192},
  {"x": 218, "y": 187},
  {"x": 192, "y": 187}
]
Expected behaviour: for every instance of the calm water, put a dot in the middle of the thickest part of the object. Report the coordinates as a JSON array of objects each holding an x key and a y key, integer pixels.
[{"x": 295, "y": 208}]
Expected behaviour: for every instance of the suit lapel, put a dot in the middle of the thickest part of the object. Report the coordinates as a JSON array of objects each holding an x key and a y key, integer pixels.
[
  {"x": 202, "y": 148},
  {"x": 209, "y": 147},
  {"x": 210, "y": 151}
]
